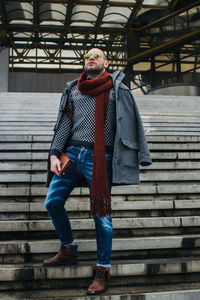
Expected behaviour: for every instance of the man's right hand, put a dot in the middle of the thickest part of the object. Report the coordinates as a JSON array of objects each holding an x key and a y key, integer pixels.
[{"x": 55, "y": 165}]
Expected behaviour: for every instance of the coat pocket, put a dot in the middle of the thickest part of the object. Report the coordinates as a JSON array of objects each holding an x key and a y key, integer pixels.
[
  {"x": 130, "y": 143},
  {"x": 129, "y": 153}
]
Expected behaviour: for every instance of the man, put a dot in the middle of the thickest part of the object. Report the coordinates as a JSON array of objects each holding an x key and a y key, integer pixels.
[{"x": 100, "y": 129}]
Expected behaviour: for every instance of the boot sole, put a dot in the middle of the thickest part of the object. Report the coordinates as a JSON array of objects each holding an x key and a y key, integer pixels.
[
  {"x": 61, "y": 264},
  {"x": 96, "y": 293}
]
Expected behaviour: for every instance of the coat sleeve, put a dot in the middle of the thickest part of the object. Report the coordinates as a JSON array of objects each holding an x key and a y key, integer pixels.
[{"x": 144, "y": 154}]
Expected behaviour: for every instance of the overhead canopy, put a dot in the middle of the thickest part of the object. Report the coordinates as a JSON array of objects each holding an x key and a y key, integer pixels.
[{"x": 56, "y": 33}]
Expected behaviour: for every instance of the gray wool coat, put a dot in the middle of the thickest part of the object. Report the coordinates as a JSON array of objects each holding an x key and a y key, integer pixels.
[{"x": 130, "y": 146}]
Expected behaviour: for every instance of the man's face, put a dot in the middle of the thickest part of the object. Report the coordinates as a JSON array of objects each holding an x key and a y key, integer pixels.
[{"x": 96, "y": 63}]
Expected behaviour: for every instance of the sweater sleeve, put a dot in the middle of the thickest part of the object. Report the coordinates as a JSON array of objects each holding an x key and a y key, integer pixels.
[{"x": 62, "y": 134}]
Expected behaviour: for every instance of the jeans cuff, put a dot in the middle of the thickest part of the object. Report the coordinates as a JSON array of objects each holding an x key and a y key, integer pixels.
[
  {"x": 108, "y": 266},
  {"x": 73, "y": 243}
]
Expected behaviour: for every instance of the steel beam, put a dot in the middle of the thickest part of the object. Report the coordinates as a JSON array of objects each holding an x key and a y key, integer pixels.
[
  {"x": 164, "y": 47},
  {"x": 93, "y": 2},
  {"x": 134, "y": 13},
  {"x": 168, "y": 16},
  {"x": 57, "y": 29}
]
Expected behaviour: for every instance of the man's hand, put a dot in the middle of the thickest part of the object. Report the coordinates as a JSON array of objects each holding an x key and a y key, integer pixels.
[{"x": 55, "y": 165}]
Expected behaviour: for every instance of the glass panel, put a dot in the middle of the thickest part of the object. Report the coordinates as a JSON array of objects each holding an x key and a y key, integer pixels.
[
  {"x": 83, "y": 24},
  {"x": 58, "y": 11},
  {"x": 85, "y": 12},
  {"x": 111, "y": 25},
  {"x": 155, "y": 2},
  {"x": 20, "y": 22},
  {"x": 121, "y": 1},
  {"x": 16, "y": 10},
  {"x": 51, "y": 23},
  {"x": 45, "y": 11},
  {"x": 116, "y": 14},
  {"x": 52, "y": 11}
]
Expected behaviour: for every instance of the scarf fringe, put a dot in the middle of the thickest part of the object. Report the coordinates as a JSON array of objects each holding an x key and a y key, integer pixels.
[
  {"x": 100, "y": 195},
  {"x": 101, "y": 205}
]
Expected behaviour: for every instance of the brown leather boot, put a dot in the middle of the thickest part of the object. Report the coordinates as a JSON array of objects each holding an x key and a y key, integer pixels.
[
  {"x": 99, "y": 284},
  {"x": 68, "y": 255}
]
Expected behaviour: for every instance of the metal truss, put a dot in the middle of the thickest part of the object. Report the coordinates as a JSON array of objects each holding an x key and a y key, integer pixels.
[
  {"x": 169, "y": 50},
  {"x": 57, "y": 33},
  {"x": 154, "y": 41},
  {"x": 180, "y": 66}
]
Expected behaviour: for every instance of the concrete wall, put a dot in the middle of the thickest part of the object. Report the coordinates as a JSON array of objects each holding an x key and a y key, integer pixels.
[
  {"x": 39, "y": 82},
  {"x": 4, "y": 58},
  {"x": 178, "y": 90}
]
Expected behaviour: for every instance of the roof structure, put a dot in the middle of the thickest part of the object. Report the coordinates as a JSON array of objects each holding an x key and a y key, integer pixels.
[{"x": 56, "y": 34}]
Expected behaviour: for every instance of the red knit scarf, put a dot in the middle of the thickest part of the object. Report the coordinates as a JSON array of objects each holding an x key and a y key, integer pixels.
[{"x": 100, "y": 88}]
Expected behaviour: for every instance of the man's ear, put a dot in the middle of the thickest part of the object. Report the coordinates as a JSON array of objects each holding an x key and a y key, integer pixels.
[{"x": 106, "y": 63}]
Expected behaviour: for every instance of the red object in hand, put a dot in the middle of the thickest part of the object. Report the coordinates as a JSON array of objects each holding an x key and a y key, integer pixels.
[{"x": 66, "y": 162}]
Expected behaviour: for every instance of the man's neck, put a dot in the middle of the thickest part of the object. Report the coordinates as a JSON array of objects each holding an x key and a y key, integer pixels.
[{"x": 94, "y": 76}]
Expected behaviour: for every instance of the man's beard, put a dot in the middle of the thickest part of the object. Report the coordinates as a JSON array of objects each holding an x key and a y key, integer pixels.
[{"x": 94, "y": 71}]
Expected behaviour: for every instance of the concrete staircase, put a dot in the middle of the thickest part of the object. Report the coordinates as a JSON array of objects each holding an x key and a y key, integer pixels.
[{"x": 156, "y": 252}]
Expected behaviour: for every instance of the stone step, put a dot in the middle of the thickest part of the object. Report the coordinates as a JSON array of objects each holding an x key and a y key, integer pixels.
[
  {"x": 88, "y": 224},
  {"x": 5, "y": 146},
  {"x": 28, "y": 131},
  {"x": 26, "y": 138},
  {"x": 19, "y": 116},
  {"x": 135, "y": 292},
  {"x": 161, "y": 116},
  {"x": 174, "y": 146},
  {"x": 168, "y": 121},
  {"x": 134, "y": 190},
  {"x": 36, "y": 118},
  {"x": 148, "y": 103},
  {"x": 168, "y": 105},
  {"x": 22, "y": 111},
  {"x": 29, "y": 123},
  {"x": 24, "y": 146},
  {"x": 170, "y": 133},
  {"x": 148, "y": 176},
  {"x": 119, "y": 203},
  {"x": 79, "y": 207},
  {"x": 25, "y": 156},
  {"x": 147, "y": 121},
  {"x": 89, "y": 245},
  {"x": 24, "y": 105},
  {"x": 48, "y": 130},
  {"x": 151, "y": 138},
  {"x": 44, "y": 128},
  {"x": 175, "y": 155},
  {"x": 28, "y": 117},
  {"x": 42, "y": 166},
  {"x": 123, "y": 272},
  {"x": 147, "y": 126},
  {"x": 148, "y": 131},
  {"x": 169, "y": 129}
]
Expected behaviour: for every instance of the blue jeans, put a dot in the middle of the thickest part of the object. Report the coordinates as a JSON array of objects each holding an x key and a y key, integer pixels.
[{"x": 61, "y": 187}]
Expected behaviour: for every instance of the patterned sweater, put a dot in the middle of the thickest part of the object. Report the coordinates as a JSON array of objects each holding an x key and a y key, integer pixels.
[{"x": 78, "y": 127}]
